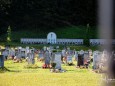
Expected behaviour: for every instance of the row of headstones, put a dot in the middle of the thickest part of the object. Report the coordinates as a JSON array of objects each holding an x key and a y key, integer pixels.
[
  {"x": 19, "y": 52},
  {"x": 96, "y": 56}
]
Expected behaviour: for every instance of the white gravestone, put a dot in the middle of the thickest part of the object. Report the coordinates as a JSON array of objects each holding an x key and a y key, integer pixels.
[
  {"x": 96, "y": 58},
  {"x": 86, "y": 57},
  {"x": 76, "y": 55},
  {"x": 31, "y": 59},
  {"x": 63, "y": 53},
  {"x": 69, "y": 59},
  {"x": 26, "y": 51},
  {"x": 57, "y": 60}
]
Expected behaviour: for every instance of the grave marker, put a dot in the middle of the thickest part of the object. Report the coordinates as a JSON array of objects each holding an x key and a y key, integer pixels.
[
  {"x": 1, "y": 61},
  {"x": 57, "y": 60}
]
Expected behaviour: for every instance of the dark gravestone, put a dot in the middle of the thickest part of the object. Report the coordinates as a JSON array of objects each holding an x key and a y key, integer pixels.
[
  {"x": 1, "y": 61},
  {"x": 80, "y": 60},
  {"x": 47, "y": 58},
  {"x": 23, "y": 54}
]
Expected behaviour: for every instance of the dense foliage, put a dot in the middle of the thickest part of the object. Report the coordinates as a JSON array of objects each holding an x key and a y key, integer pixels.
[{"x": 46, "y": 14}]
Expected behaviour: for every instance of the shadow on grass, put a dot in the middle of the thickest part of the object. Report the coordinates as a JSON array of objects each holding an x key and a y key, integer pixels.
[{"x": 4, "y": 69}]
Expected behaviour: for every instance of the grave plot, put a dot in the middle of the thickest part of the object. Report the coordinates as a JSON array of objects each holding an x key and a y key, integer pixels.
[
  {"x": 30, "y": 58},
  {"x": 11, "y": 54},
  {"x": 63, "y": 55},
  {"x": 46, "y": 59},
  {"x": 17, "y": 57},
  {"x": 23, "y": 53},
  {"x": 69, "y": 60},
  {"x": 97, "y": 60},
  {"x": 27, "y": 51},
  {"x": 5, "y": 54},
  {"x": 76, "y": 55},
  {"x": 103, "y": 65},
  {"x": 69, "y": 53},
  {"x": 56, "y": 63},
  {"x": 80, "y": 60},
  {"x": 41, "y": 55},
  {"x": 86, "y": 59}
]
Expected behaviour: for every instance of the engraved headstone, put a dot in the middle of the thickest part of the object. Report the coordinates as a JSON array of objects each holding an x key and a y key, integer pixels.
[
  {"x": 80, "y": 61},
  {"x": 47, "y": 57},
  {"x": 69, "y": 59},
  {"x": 95, "y": 60},
  {"x": 23, "y": 53},
  {"x": 57, "y": 60},
  {"x": 31, "y": 56}
]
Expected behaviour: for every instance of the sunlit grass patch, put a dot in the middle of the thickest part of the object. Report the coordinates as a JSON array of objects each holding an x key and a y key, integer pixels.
[{"x": 43, "y": 77}]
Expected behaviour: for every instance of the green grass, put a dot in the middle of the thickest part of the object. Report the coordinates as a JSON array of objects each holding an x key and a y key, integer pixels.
[
  {"x": 19, "y": 76},
  {"x": 39, "y": 46},
  {"x": 78, "y": 32}
]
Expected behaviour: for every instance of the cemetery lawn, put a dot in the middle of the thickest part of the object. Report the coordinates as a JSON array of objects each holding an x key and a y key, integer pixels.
[{"x": 19, "y": 76}]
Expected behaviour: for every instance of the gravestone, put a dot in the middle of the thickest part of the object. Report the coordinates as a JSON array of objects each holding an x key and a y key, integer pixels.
[
  {"x": 12, "y": 52},
  {"x": 6, "y": 53},
  {"x": 95, "y": 60},
  {"x": 31, "y": 56},
  {"x": 1, "y": 61},
  {"x": 69, "y": 59},
  {"x": 23, "y": 53},
  {"x": 19, "y": 54},
  {"x": 86, "y": 59},
  {"x": 76, "y": 55},
  {"x": 41, "y": 54},
  {"x": 86, "y": 56},
  {"x": 57, "y": 60},
  {"x": 63, "y": 53},
  {"x": 26, "y": 51},
  {"x": 80, "y": 61},
  {"x": 47, "y": 58}
]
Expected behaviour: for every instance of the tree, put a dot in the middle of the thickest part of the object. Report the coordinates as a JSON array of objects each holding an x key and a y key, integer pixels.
[
  {"x": 86, "y": 40},
  {"x": 9, "y": 35}
]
